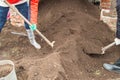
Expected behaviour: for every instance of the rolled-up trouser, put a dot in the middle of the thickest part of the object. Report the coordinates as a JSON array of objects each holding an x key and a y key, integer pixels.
[{"x": 23, "y": 9}]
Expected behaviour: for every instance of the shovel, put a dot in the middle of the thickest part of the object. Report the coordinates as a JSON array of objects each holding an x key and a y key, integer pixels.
[
  {"x": 28, "y": 22},
  {"x": 100, "y": 51},
  {"x": 107, "y": 47}
]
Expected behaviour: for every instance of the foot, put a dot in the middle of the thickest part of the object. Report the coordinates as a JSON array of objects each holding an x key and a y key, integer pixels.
[
  {"x": 31, "y": 37},
  {"x": 112, "y": 67},
  {"x": 36, "y": 45}
]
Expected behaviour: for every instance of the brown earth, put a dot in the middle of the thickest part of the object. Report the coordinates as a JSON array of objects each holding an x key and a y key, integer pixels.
[{"x": 75, "y": 26}]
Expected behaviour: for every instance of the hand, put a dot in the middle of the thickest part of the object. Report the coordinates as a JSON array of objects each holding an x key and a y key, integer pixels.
[
  {"x": 33, "y": 27},
  {"x": 117, "y": 41}
]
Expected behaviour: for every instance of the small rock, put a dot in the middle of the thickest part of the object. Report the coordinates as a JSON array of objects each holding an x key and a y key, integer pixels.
[
  {"x": 35, "y": 74},
  {"x": 97, "y": 72}
]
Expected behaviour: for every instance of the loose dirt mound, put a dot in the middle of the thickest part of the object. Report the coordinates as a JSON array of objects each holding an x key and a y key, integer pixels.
[{"x": 75, "y": 26}]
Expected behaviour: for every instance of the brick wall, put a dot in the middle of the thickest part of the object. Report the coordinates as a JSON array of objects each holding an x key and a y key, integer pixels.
[{"x": 106, "y": 4}]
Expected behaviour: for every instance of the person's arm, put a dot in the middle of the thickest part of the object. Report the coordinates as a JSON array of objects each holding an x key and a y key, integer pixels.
[{"x": 34, "y": 11}]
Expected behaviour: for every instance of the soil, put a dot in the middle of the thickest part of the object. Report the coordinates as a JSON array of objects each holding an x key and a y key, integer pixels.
[
  {"x": 5, "y": 70},
  {"x": 77, "y": 30}
]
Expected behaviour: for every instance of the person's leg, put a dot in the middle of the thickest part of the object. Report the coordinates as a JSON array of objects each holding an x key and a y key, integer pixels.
[
  {"x": 117, "y": 39},
  {"x": 116, "y": 66},
  {"x": 113, "y": 67},
  {"x": 3, "y": 16},
  {"x": 117, "y": 63},
  {"x": 23, "y": 9},
  {"x": 118, "y": 19}
]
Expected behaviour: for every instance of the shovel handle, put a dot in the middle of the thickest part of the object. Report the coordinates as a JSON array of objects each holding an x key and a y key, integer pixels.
[{"x": 107, "y": 47}]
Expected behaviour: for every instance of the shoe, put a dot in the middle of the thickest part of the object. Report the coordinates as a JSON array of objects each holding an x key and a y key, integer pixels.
[
  {"x": 111, "y": 67},
  {"x": 32, "y": 39}
]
